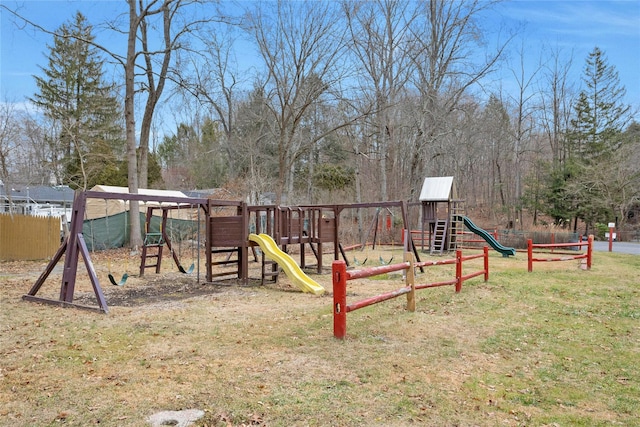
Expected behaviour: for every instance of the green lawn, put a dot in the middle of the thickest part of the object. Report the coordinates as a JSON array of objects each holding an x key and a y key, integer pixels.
[{"x": 556, "y": 347}]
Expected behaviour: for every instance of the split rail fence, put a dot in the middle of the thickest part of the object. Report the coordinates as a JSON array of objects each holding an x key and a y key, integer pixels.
[
  {"x": 588, "y": 255},
  {"x": 340, "y": 277}
]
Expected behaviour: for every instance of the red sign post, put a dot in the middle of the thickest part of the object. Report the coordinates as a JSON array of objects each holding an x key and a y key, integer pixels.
[{"x": 612, "y": 226}]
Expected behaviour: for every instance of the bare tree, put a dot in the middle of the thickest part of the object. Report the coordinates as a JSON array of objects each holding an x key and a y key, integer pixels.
[
  {"x": 25, "y": 153},
  {"x": 252, "y": 146},
  {"x": 447, "y": 66},
  {"x": 215, "y": 82},
  {"x": 523, "y": 123},
  {"x": 557, "y": 97},
  {"x": 9, "y": 133},
  {"x": 618, "y": 187},
  {"x": 141, "y": 17},
  {"x": 301, "y": 44},
  {"x": 382, "y": 41},
  {"x": 141, "y": 60}
]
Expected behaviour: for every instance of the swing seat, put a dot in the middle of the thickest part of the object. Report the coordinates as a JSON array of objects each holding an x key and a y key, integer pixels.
[
  {"x": 188, "y": 271},
  {"x": 356, "y": 262},
  {"x": 122, "y": 281},
  {"x": 383, "y": 262},
  {"x": 153, "y": 239}
]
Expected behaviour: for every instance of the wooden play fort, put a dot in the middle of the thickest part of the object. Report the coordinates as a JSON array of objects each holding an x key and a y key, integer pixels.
[{"x": 227, "y": 246}]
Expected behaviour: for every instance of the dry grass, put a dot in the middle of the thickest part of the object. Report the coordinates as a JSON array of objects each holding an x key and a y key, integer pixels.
[{"x": 558, "y": 346}]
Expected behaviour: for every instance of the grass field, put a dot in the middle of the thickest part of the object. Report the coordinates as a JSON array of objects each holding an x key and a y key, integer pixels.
[{"x": 556, "y": 347}]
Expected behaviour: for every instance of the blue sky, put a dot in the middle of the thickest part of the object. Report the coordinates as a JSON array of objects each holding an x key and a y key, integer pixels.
[
  {"x": 574, "y": 26},
  {"x": 577, "y": 26}
]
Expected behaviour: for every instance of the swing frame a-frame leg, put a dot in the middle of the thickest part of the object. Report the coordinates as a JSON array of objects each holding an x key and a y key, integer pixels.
[{"x": 74, "y": 246}]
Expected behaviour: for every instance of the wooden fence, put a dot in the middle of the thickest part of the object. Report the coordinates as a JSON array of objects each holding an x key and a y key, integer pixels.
[
  {"x": 341, "y": 276},
  {"x": 588, "y": 255},
  {"x": 25, "y": 237}
]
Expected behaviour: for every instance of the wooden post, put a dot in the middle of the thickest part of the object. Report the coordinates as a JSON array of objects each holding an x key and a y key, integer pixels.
[
  {"x": 243, "y": 250},
  {"x": 410, "y": 282},
  {"x": 208, "y": 244},
  {"x": 71, "y": 259},
  {"x": 486, "y": 263},
  {"x": 458, "y": 270},
  {"x": 589, "y": 251},
  {"x": 339, "y": 274},
  {"x": 530, "y": 255},
  {"x": 611, "y": 230}
]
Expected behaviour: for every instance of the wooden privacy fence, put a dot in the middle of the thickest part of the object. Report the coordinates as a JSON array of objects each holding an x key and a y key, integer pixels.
[
  {"x": 341, "y": 276},
  {"x": 588, "y": 255},
  {"x": 25, "y": 237}
]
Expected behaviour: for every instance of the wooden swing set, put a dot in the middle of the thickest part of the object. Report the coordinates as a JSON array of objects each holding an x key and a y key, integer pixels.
[{"x": 75, "y": 246}]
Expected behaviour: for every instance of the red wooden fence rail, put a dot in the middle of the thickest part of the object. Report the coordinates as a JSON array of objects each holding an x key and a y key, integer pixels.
[
  {"x": 341, "y": 276},
  {"x": 588, "y": 255}
]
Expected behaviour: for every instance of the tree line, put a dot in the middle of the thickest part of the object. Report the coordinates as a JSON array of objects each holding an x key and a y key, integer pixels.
[{"x": 322, "y": 102}]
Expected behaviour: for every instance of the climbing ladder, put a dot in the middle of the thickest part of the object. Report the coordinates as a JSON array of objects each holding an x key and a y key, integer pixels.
[
  {"x": 457, "y": 225},
  {"x": 153, "y": 244},
  {"x": 439, "y": 238},
  {"x": 270, "y": 270},
  {"x": 447, "y": 233}
]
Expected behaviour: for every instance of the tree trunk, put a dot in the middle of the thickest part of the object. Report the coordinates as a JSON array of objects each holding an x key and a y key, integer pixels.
[{"x": 135, "y": 237}]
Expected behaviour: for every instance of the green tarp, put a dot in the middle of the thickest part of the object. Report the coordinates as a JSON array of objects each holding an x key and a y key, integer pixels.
[{"x": 113, "y": 231}]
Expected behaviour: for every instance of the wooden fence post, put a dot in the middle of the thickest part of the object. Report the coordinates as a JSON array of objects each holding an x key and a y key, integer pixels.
[
  {"x": 486, "y": 263},
  {"x": 530, "y": 255},
  {"x": 339, "y": 273},
  {"x": 458, "y": 270},
  {"x": 410, "y": 282}
]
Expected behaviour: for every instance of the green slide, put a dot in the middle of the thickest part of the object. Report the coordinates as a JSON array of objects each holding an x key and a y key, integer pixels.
[{"x": 488, "y": 237}]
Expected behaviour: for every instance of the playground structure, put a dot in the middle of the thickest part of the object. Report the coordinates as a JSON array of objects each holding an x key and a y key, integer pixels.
[
  {"x": 293, "y": 271},
  {"x": 587, "y": 256},
  {"x": 443, "y": 219},
  {"x": 487, "y": 237},
  {"x": 340, "y": 276},
  {"x": 228, "y": 226},
  {"x": 234, "y": 231},
  {"x": 441, "y": 209}
]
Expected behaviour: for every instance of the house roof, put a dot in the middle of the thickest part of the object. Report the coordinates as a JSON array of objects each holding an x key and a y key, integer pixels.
[
  {"x": 438, "y": 189},
  {"x": 60, "y": 194}
]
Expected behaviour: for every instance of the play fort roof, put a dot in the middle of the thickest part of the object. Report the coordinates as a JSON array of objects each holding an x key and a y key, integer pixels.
[
  {"x": 99, "y": 208},
  {"x": 438, "y": 189}
]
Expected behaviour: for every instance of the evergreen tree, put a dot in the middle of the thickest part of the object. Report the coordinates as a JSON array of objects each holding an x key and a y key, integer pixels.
[
  {"x": 209, "y": 166},
  {"x": 74, "y": 96},
  {"x": 600, "y": 112},
  {"x": 596, "y": 136},
  {"x": 193, "y": 158}
]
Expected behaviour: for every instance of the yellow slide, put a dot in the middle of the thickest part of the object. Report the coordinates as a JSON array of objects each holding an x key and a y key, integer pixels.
[{"x": 293, "y": 271}]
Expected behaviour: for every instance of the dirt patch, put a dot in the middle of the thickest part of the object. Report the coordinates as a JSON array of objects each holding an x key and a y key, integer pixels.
[{"x": 138, "y": 292}]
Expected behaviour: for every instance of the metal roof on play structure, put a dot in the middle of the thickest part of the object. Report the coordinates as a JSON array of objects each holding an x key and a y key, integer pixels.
[{"x": 438, "y": 189}]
